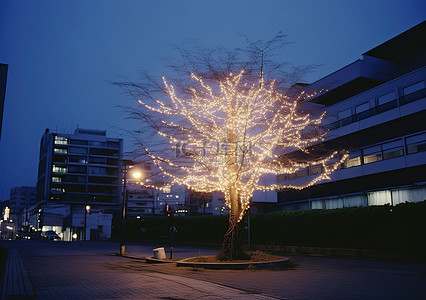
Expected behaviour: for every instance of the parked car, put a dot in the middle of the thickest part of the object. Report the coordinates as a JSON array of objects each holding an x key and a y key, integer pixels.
[{"x": 51, "y": 236}]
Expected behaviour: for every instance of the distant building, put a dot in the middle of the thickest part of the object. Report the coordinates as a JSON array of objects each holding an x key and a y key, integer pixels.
[
  {"x": 3, "y": 77},
  {"x": 75, "y": 171},
  {"x": 170, "y": 197},
  {"x": 206, "y": 203},
  {"x": 140, "y": 201},
  {"x": 22, "y": 197},
  {"x": 376, "y": 107}
]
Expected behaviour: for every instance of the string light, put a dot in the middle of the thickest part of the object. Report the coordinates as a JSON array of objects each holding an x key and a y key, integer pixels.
[{"x": 242, "y": 123}]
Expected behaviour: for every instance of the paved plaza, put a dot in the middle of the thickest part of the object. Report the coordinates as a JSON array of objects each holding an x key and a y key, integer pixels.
[{"x": 89, "y": 270}]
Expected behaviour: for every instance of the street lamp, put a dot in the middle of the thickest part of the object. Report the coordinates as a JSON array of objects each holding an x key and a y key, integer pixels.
[
  {"x": 86, "y": 211},
  {"x": 128, "y": 165}
]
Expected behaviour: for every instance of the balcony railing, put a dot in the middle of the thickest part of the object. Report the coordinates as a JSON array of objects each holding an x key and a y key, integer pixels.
[{"x": 378, "y": 109}]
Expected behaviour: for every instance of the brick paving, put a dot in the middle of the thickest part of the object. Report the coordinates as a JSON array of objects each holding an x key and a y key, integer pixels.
[{"x": 60, "y": 270}]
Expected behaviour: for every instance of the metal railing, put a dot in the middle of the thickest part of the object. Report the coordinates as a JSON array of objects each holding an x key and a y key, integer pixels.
[{"x": 378, "y": 109}]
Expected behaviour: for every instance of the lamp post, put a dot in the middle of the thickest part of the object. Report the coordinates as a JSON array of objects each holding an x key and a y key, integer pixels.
[
  {"x": 86, "y": 211},
  {"x": 127, "y": 164}
]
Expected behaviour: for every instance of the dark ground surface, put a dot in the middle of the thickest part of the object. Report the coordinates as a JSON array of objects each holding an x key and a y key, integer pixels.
[{"x": 90, "y": 270}]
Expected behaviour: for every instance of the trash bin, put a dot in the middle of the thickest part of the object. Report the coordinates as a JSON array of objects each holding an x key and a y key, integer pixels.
[{"x": 159, "y": 253}]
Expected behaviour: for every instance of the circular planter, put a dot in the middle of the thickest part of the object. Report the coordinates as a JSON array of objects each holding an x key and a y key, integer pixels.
[{"x": 235, "y": 265}]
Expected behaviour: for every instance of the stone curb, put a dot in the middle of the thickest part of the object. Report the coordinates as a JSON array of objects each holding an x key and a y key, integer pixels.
[
  {"x": 234, "y": 266},
  {"x": 152, "y": 260}
]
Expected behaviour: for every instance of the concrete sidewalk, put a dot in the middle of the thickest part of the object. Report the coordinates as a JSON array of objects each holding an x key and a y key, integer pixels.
[
  {"x": 74, "y": 271},
  {"x": 16, "y": 284},
  {"x": 61, "y": 270}
]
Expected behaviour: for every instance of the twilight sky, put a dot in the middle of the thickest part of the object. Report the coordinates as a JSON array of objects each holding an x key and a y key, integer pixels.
[{"x": 62, "y": 55}]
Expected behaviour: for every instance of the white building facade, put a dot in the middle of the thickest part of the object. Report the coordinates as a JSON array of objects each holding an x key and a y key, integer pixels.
[{"x": 376, "y": 112}]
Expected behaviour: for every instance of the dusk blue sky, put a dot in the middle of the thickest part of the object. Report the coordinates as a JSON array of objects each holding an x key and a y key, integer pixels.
[{"x": 62, "y": 55}]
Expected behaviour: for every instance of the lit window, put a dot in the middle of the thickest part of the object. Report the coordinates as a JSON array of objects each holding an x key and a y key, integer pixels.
[
  {"x": 56, "y": 179},
  {"x": 59, "y": 140},
  {"x": 58, "y": 169},
  {"x": 177, "y": 196},
  {"x": 372, "y": 154},
  {"x": 56, "y": 150},
  {"x": 166, "y": 190}
]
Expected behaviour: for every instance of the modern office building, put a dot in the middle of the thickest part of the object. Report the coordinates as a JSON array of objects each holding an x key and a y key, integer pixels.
[
  {"x": 77, "y": 171},
  {"x": 376, "y": 111},
  {"x": 3, "y": 77}
]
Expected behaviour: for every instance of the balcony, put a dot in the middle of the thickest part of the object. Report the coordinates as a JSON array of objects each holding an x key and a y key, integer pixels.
[{"x": 379, "y": 109}]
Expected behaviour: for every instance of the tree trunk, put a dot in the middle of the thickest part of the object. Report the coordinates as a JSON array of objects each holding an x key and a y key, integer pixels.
[{"x": 232, "y": 248}]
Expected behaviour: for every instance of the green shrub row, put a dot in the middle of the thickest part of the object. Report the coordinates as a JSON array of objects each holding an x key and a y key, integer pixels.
[{"x": 399, "y": 228}]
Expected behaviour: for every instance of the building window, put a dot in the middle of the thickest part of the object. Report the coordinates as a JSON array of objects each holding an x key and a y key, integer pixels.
[
  {"x": 59, "y": 169},
  {"x": 372, "y": 154},
  {"x": 97, "y": 144},
  {"x": 113, "y": 144},
  {"x": 344, "y": 114},
  {"x": 78, "y": 159},
  {"x": 386, "y": 98},
  {"x": 413, "y": 88},
  {"x": 97, "y": 160},
  {"x": 362, "y": 107},
  {"x": 77, "y": 169},
  {"x": 97, "y": 171},
  {"x": 58, "y": 150},
  {"x": 56, "y": 189},
  {"x": 353, "y": 160},
  {"x": 79, "y": 142},
  {"x": 166, "y": 190},
  {"x": 393, "y": 149},
  {"x": 416, "y": 143},
  {"x": 345, "y": 117},
  {"x": 78, "y": 150},
  {"x": 59, "y": 140},
  {"x": 56, "y": 179}
]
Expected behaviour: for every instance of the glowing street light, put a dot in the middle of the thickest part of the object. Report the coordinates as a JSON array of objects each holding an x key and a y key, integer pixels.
[{"x": 136, "y": 174}]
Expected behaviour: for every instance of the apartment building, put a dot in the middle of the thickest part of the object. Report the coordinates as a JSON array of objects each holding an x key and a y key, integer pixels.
[
  {"x": 376, "y": 112},
  {"x": 79, "y": 178}
]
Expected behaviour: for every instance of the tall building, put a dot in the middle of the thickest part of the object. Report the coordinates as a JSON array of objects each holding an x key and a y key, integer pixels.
[
  {"x": 376, "y": 111},
  {"x": 3, "y": 77},
  {"x": 79, "y": 184},
  {"x": 83, "y": 167}
]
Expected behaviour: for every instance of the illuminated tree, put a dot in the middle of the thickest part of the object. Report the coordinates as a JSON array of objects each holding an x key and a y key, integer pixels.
[{"x": 223, "y": 123}]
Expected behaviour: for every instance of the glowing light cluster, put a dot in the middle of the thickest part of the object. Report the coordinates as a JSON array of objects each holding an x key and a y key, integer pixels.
[{"x": 251, "y": 119}]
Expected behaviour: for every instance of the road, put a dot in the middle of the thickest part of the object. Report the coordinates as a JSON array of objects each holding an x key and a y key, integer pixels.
[{"x": 90, "y": 270}]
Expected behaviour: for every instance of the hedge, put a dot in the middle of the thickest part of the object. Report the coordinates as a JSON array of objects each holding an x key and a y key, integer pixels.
[{"x": 401, "y": 228}]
